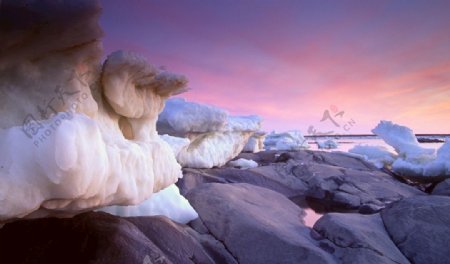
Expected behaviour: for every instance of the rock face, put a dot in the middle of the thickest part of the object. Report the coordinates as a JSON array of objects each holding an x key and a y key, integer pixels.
[
  {"x": 214, "y": 136},
  {"x": 442, "y": 188},
  {"x": 76, "y": 135},
  {"x": 237, "y": 215},
  {"x": 420, "y": 227},
  {"x": 332, "y": 181},
  {"x": 355, "y": 238},
  {"x": 102, "y": 238}
]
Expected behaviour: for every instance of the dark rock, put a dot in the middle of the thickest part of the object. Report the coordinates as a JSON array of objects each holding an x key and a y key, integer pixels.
[
  {"x": 332, "y": 188},
  {"x": 330, "y": 181},
  {"x": 355, "y": 238},
  {"x": 429, "y": 140},
  {"x": 442, "y": 188},
  {"x": 255, "y": 224},
  {"x": 192, "y": 178},
  {"x": 172, "y": 239},
  {"x": 102, "y": 238},
  {"x": 420, "y": 227},
  {"x": 86, "y": 238}
]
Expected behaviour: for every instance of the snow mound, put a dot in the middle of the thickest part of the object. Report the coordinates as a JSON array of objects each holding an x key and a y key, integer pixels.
[
  {"x": 327, "y": 144},
  {"x": 380, "y": 156},
  {"x": 76, "y": 136},
  {"x": 215, "y": 137},
  {"x": 403, "y": 140},
  {"x": 290, "y": 140},
  {"x": 180, "y": 118},
  {"x": 414, "y": 161},
  {"x": 242, "y": 163},
  {"x": 168, "y": 202}
]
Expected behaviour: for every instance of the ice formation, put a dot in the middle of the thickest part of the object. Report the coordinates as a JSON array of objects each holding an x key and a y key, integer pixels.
[
  {"x": 180, "y": 118},
  {"x": 242, "y": 163},
  {"x": 327, "y": 144},
  {"x": 403, "y": 140},
  {"x": 176, "y": 143},
  {"x": 255, "y": 142},
  {"x": 168, "y": 202},
  {"x": 215, "y": 136},
  {"x": 74, "y": 135},
  {"x": 412, "y": 160},
  {"x": 379, "y": 156},
  {"x": 290, "y": 140}
]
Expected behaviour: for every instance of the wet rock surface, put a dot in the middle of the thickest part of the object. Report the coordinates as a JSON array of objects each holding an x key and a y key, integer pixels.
[{"x": 256, "y": 216}]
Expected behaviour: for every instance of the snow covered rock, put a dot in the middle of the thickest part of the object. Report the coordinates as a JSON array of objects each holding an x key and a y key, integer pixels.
[
  {"x": 242, "y": 163},
  {"x": 327, "y": 144},
  {"x": 413, "y": 161},
  {"x": 255, "y": 142},
  {"x": 215, "y": 137},
  {"x": 380, "y": 156},
  {"x": 290, "y": 140},
  {"x": 76, "y": 136}
]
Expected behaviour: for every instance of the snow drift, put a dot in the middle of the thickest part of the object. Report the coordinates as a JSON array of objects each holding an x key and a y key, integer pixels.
[
  {"x": 215, "y": 136},
  {"x": 411, "y": 160},
  {"x": 290, "y": 140},
  {"x": 327, "y": 144}
]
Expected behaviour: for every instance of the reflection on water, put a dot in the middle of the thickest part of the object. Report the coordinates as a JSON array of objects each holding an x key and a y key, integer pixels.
[{"x": 311, "y": 217}]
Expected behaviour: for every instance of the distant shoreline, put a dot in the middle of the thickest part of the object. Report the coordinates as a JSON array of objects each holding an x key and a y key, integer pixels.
[{"x": 371, "y": 135}]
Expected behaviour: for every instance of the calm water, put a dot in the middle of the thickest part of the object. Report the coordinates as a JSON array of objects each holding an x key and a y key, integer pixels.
[{"x": 346, "y": 143}]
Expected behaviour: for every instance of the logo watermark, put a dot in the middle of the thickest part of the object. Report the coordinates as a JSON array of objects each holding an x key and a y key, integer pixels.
[
  {"x": 40, "y": 129},
  {"x": 335, "y": 117}
]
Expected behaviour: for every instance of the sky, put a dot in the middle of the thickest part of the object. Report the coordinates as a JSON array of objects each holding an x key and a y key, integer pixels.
[{"x": 317, "y": 66}]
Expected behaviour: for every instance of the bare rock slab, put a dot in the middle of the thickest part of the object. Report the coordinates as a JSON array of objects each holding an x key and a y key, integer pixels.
[
  {"x": 255, "y": 224},
  {"x": 420, "y": 227}
]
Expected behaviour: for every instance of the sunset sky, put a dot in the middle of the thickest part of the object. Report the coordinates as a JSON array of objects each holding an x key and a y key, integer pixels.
[{"x": 290, "y": 61}]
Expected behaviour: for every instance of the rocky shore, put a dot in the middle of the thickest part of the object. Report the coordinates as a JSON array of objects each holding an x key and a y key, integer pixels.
[{"x": 257, "y": 216}]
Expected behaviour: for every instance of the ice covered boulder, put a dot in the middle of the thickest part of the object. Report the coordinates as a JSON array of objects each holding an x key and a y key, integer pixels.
[
  {"x": 255, "y": 142},
  {"x": 290, "y": 140},
  {"x": 327, "y": 144},
  {"x": 413, "y": 161},
  {"x": 76, "y": 135},
  {"x": 215, "y": 136},
  {"x": 380, "y": 156}
]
